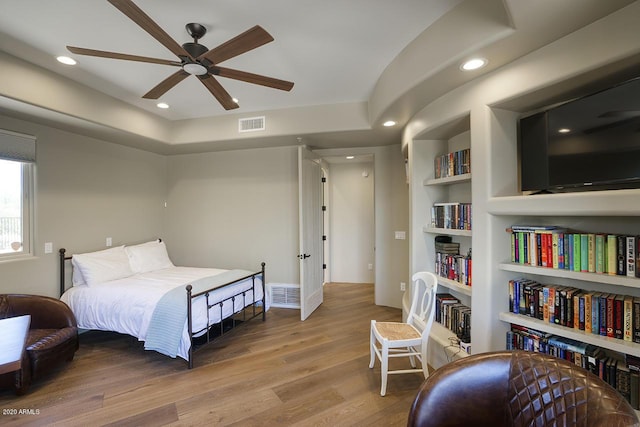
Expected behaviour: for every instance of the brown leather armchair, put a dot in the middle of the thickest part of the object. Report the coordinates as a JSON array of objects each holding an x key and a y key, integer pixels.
[
  {"x": 52, "y": 338},
  {"x": 517, "y": 389}
]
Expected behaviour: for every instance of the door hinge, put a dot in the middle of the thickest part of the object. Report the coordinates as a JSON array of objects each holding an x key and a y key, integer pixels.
[
  {"x": 324, "y": 179},
  {"x": 324, "y": 266},
  {"x": 324, "y": 237},
  {"x": 324, "y": 208}
]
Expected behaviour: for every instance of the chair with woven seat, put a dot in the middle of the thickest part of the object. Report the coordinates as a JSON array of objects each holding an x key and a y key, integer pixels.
[
  {"x": 517, "y": 388},
  {"x": 410, "y": 339}
]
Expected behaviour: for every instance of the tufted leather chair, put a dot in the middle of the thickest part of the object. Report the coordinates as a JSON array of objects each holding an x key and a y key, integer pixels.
[
  {"x": 518, "y": 389},
  {"x": 52, "y": 339}
]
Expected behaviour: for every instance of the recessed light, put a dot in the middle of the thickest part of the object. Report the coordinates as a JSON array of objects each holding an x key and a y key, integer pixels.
[
  {"x": 564, "y": 130},
  {"x": 66, "y": 60},
  {"x": 389, "y": 123},
  {"x": 350, "y": 157},
  {"x": 163, "y": 105},
  {"x": 474, "y": 64}
]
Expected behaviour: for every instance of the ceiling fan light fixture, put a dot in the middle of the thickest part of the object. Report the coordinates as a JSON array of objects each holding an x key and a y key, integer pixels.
[{"x": 195, "y": 69}]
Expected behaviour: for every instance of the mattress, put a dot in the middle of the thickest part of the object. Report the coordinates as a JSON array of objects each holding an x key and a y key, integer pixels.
[{"x": 126, "y": 305}]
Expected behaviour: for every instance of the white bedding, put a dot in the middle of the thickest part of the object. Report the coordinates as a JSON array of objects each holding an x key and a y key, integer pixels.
[{"x": 126, "y": 305}]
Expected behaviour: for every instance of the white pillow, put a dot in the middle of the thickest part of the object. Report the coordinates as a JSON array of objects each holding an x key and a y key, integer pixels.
[
  {"x": 148, "y": 256},
  {"x": 77, "y": 278},
  {"x": 103, "y": 266}
]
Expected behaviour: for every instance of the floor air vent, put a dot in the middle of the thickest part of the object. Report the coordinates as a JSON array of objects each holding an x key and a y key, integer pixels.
[
  {"x": 284, "y": 296},
  {"x": 251, "y": 124}
]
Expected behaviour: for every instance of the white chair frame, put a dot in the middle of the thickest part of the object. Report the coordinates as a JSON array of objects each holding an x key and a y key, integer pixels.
[{"x": 410, "y": 339}]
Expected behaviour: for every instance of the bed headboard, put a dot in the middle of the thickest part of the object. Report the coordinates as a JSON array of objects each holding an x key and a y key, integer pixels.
[{"x": 63, "y": 259}]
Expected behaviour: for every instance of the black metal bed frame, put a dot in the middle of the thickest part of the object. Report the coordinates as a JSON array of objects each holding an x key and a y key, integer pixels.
[{"x": 212, "y": 331}]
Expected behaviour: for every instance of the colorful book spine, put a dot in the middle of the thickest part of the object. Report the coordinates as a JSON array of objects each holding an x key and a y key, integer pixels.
[
  {"x": 628, "y": 319},
  {"x": 611, "y": 254},
  {"x": 631, "y": 256},
  {"x": 591, "y": 265},
  {"x": 584, "y": 252}
]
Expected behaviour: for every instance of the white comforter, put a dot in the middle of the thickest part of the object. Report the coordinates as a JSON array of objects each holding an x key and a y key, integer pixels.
[{"x": 126, "y": 305}]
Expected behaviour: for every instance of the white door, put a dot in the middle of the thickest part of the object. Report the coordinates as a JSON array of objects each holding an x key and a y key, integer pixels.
[{"x": 310, "y": 220}]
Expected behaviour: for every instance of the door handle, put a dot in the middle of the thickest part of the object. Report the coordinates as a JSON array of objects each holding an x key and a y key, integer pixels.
[{"x": 304, "y": 256}]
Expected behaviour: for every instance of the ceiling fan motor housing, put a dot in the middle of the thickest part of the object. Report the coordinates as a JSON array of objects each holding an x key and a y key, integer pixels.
[{"x": 195, "y": 49}]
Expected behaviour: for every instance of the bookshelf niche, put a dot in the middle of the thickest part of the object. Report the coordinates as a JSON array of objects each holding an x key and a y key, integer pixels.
[{"x": 442, "y": 163}]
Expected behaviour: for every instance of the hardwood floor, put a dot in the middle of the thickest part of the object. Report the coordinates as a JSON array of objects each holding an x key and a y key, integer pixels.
[{"x": 278, "y": 372}]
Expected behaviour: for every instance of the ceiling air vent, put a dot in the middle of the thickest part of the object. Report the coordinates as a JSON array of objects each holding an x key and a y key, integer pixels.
[{"x": 251, "y": 124}]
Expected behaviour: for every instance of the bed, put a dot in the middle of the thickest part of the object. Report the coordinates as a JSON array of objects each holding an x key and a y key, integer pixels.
[{"x": 174, "y": 310}]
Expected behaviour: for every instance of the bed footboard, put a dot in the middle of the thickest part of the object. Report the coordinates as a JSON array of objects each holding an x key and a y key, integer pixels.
[{"x": 213, "y": 331}]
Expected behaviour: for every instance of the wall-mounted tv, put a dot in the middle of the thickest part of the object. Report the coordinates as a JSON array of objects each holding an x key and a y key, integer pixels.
[{"x": 591, "y": 143}]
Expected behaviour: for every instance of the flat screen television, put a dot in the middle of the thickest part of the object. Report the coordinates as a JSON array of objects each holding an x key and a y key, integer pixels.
[{"x": 590, "y": 143}]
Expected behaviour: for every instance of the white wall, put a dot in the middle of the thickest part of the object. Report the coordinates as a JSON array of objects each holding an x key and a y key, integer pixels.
[
  {"x": 235, "y": 209},
  {"x": 351, "y": 221},
  {"x": 86, "y": 190}
]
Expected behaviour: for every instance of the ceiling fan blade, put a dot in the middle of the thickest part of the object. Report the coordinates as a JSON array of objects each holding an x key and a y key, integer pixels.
[
  {"x": 164, "y": 86},
  {"x": 254, "y": 78},
  {"x": 250, "y": 39},
  {"x": 146, "y": 23},
  {"x": 218, "y": 91},
  {"x": 114, "y": 55}
]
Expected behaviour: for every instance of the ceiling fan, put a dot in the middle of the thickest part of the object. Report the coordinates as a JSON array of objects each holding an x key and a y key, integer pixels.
[{"x": 194, "y": 58}]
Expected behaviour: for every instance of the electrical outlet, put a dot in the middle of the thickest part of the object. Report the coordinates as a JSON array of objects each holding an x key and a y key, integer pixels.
[
  {"x": 370, "y": 266},
  {"x": 109, "y": 242},
  {"x": 403, "y": 286}
]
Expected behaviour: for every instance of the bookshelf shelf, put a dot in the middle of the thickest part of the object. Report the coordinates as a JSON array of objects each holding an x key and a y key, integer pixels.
[
  {"x": 446, "y": 231},
  {"x": 456, "y": 179},
  {"x": 454, "y": 286},
  {"x": 588, "y": 203},
  {"x": 631, "y": 282},
  {"x": 610, "y": 343},
  {"x": 441, "y": 335}
]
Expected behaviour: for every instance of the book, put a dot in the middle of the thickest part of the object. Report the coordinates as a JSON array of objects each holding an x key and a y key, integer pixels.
[
  {"x": 584, "y": 252},
  {"x": 638, "y": 256},
  {"x": 610, "y": 329},
  {"x": 636, "y": 320},
  {"x": 576, "y": 252},
  {"x": 600, "y": 253},
  {"x": 618, "y": 316},
  {"x": 621, "y": 267},
  {"x": 587, "y": 312},
  {"x": 611, "y": 254},
  {"x": 628, "y": 319},
  {"x": 591, "y": 241},
  {"x": 631, "y": 256}
]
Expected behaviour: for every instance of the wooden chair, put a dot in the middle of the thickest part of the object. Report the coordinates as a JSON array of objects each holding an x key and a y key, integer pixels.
[{"x": 410, "y": 339}]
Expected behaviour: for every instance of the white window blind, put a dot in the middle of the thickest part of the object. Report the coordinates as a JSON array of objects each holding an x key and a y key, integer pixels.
[{"x": 18, "y": 147}]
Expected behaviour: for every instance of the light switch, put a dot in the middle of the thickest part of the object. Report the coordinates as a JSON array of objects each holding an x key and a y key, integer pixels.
[
  {"x": 109, "y": 241},
  {"x": 400, "y": 235},
  {"x": 48, "y": 247}
]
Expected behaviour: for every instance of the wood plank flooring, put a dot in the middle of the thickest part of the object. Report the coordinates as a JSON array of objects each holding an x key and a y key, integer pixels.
[{"x": 278, "y": 372}]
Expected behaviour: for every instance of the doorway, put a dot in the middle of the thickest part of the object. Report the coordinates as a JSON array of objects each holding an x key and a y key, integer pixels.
[{"x": 349, "y": 219}]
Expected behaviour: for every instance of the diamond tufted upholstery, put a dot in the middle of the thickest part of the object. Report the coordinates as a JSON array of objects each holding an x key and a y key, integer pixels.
[
  {"x": 518, "y": 389},
  {"x": 52, "y": 339}
]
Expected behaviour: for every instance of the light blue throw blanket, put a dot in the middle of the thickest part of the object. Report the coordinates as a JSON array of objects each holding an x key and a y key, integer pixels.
[{"x": 170, "y": 315}]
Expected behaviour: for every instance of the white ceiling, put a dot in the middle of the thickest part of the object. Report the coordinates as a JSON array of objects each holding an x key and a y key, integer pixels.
[
  {"x": 338, "y": 52},
  {"x": 333, "y": 50}
]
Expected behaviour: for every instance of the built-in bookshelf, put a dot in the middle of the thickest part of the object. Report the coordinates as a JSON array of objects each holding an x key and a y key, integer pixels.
[
  {"x": 486, "y": 111},
  {"x": 434, "y": 187}
]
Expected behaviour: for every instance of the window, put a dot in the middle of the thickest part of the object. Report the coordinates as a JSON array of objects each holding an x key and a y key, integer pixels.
[{"x": 17, "y": 154}]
